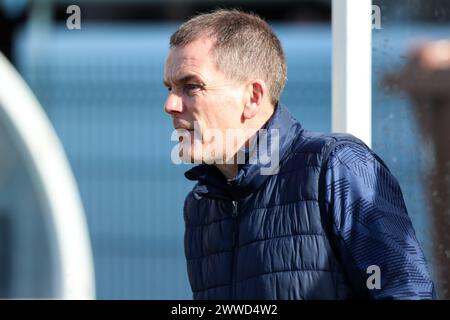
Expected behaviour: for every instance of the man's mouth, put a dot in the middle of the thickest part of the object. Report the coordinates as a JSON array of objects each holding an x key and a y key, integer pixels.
[
  {"x": 183, "y": 125},
  {"x": 184, "y": 129}
]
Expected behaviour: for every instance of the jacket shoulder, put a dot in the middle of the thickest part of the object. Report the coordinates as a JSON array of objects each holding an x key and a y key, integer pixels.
[{"x": 319, "y": 145}]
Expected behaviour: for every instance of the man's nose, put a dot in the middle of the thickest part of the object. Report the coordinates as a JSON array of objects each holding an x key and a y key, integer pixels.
[{"x": 173, "y": 104}]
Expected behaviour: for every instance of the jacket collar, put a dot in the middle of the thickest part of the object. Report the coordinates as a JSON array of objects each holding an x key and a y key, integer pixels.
[{"x": 249, "y": 178}]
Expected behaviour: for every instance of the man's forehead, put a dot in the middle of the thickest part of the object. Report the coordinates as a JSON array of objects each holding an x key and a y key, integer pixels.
[
  {"x": 179, "y": 62},
  {"x": 176, "y": 70},
  {"x": 192, "y": 59},
  {"x": 194, "y": 53}
]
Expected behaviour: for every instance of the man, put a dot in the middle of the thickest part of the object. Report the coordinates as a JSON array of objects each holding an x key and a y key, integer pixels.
[{"x": 327, "y": 222}]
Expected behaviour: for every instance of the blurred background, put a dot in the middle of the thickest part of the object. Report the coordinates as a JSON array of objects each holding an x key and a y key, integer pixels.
[{"x": 101, "y": 87}]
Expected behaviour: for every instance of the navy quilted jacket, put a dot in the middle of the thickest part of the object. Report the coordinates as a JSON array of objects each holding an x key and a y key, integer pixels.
[{"x": 308, "y": 232}]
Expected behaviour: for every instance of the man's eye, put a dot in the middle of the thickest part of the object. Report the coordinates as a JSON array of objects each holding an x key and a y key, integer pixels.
[{"x": 192, "y": 87}]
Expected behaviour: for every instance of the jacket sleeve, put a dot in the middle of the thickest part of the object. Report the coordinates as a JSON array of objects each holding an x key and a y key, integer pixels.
[{"x": 371, "y": 228}]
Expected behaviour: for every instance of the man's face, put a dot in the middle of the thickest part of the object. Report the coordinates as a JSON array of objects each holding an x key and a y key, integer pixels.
[{"x": 199, "y": 92}]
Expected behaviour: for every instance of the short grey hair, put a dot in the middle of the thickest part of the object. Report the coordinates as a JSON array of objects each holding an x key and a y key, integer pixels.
[{"x": 245, "y": 46}]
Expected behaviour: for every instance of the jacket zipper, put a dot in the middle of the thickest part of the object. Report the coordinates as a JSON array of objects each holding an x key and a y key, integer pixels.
[{"x": 235, "y": 248}]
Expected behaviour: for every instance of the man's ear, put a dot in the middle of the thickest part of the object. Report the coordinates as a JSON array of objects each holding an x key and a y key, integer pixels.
[{"x": 256, "y": 90}]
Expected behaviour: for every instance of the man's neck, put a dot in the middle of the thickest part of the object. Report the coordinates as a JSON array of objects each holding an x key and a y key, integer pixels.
[{"x": 231, "y": 170}]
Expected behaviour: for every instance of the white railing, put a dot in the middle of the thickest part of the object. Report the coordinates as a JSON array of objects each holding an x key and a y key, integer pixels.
[
  {"x": 352, "y": 68},
  {"x": 36, "y": 140}
]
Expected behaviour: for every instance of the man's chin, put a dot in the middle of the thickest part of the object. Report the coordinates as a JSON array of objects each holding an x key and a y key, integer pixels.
[{"x": 191, "y": 159}]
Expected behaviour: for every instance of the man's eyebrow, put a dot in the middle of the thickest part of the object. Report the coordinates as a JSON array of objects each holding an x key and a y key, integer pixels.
[
  {"x": 166, "y": 83},
  {"x": 184, "y": 79}
]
